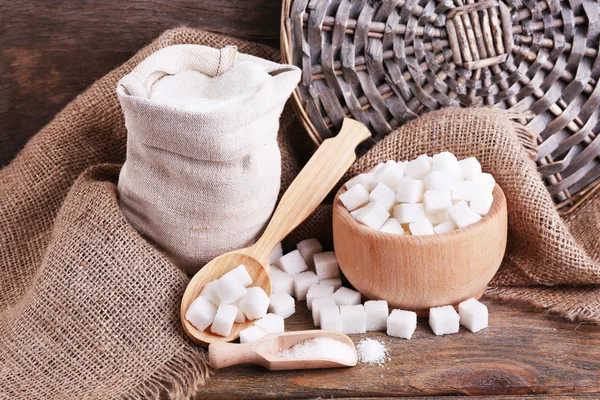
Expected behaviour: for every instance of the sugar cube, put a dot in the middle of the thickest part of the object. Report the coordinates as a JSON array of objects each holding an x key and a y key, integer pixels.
[
  {"x": 376, "y": 168},
  {"x": 282, "y": 304},
  {"x": 320, "y": 304},
  {"x": 373, "y": 215},
  {"x": 315, "y": 291},
  {"x": 482, "y": 203},
  {"x": 444, "y": 161},
  {"x": 240, "y": 318},
  {"x": 383, "y": 195},
  {"x": 251, "y": 335},
  {"x": 437, "y": 201},
  {"x": 407, "y": 213},
  {"x": 419, "y": 167},
  {"x": 443, "y": 320},
  {"x": 308, "y": 248},
  {"x": 444, "y": 227},
  {"x": 366, "y": 180},
  {"x": 402, "y": 324},
  {"x": 241, "y": 274},
  {"x": 229, "y": 289},
  {"x": 473, "y": 315},
  {"x": 389, "y": 174},
  {"x": 276, "y": 254},
  {"x": 462, "y": 215},
  {"x": 485, "y": 182},
  {"x": 409, "y": 190},
  {"x": 438, "y": 218},
  {"x": 292, "y": 263},
  {"x": 255, "y": 303},
  {"x": 281, "y": 282},
  {"x": 355, "y": 212},
  {"x": 224, "y": 319},
  {"x": 354, "y": 319},
  {"x": 326, "y": 265},
  {"x": 335, "y": 282},
  {"x": 330, "y": 319},
  {"x": 302, "y": 282},
  {"x": 470, "y": 167},
  {"x": 421, "y": 226},
  {"x": 345, "y": 296},
  {"x": 201, "y": 313},
  {"x": 377, "y": 314},
  {"x": 271, "y": 323},
  {"x": 392, "y": 226},
  {"x": 355, "y": 197},
  {"x": 209, "y": 292},
  {"x": 439, "y": 180}
]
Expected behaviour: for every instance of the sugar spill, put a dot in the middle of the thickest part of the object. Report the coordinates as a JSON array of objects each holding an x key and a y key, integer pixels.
[
  {"x": 321, "y": 347},
  {"x": 371, "y": 351}
]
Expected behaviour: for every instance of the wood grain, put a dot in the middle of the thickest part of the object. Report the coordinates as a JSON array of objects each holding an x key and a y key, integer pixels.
[
  {"x": 522, "y": 352},
  {"x": 50, "y": 51}
]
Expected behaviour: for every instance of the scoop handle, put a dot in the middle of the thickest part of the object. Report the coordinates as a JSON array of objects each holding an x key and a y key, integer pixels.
[
  {"x": 325, "y": 168},
  {"x": 223, "y": 354}
]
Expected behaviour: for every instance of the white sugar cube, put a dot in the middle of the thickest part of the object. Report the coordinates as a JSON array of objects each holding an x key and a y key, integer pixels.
[
  {"x": 282, "y": 304},
  {"x": 240, "y": 318},
  {"x": 485, "y": 182},
  {"x": 389, "y": 174},
  {"x": 354, "y": 319},
  {"x": 409, "y": 190},
  {"x": 437, "y": 201},
  {"x": 302, "y": 282},
  {"x": 439, "y": 180},
  {"x": 443, "y": 320},
  {"x": 419, "y": 167},
  {"x": 201, "y": 313},
  {"x": 308, "y": 248},
  {"x": 473, "y": 315},
  {"x": 470, "y": 167},
  {"x": 335, "y": 282},
  {"x": 438, "y": 218},
  {"x": 315, "y": 291},
  {"x": 421, "y": 226},
  {"x": 345, "y": 296},
  {"x": 229, "y": 289},
  {"x": 383, "y": 195},
  {"x": 373, "y": 215},
  {"x": 251, "y": 335},
  {"x": 462, "y": 215},
  {"x": 355, "y": 197},
  {"x": 326, "y": 265},
  {"x": 444, "y": 227},
  {"x": 330, "y": 319},
  {"x": 377, "y": 315},
  {"x": 224, "y": 319},
  {"x": 320, "y": 304},
  {"x": 392, "y": 226},
  {"x": 366, "y": 180},
  {"x": 407, "y": 213},
  {"x": 482, "y": 203},
  {"x": 444, "y": 161},
  {"x": 241, "y": 274},
  {"x": 271, "y": 323},
  {"x": 209, "y": 292},
  {"x": 466, "y": 191},
  {"x": 376, "y": 168},
  {"x": 402, "y": 324},
  {"x": 276, "y": 254},
  {"x": 355, "y": 212},
  {"x": 281, "y": 282},
  {"x": 292, "y": 263},
  {"x": 255, "y": 303}
]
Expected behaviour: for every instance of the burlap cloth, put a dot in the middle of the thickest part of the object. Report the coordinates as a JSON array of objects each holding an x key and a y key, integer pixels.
[{"x": 89, "y": 310}]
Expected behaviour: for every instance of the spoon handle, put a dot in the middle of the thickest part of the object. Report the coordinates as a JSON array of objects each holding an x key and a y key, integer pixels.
[
  {"x": 325, "y": 168},
  {"x": 223, "y": 354}
]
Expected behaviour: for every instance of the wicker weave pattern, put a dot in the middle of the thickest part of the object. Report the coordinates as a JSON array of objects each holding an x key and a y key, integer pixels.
[{"x": 385, "y": 62}]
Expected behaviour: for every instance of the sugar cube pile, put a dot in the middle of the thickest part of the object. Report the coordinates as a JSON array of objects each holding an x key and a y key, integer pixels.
[{"x": 425, "y": 196}]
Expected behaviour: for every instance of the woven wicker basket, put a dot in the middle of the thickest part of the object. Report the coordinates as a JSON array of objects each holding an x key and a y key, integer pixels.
[{"x": 385, "y": 62}]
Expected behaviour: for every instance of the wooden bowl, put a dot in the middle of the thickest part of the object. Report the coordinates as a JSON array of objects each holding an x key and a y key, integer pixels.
[{"x": 419, "y": 272}]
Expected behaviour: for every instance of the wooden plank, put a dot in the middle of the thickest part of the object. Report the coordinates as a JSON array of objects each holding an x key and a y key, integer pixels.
[{"x": 523, "y": 352}]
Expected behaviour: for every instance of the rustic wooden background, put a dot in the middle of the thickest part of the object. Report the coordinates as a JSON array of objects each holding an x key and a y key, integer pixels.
[{"x": 52, "y": 50}]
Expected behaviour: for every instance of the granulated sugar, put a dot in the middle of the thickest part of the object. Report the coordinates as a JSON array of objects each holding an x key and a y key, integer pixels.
[
  {"x": 320, "y": 348},
  {"x": 371, "y": 351}
]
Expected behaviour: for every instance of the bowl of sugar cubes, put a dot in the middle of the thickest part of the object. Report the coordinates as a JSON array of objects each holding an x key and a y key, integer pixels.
[{"x": 421, "y": 233}]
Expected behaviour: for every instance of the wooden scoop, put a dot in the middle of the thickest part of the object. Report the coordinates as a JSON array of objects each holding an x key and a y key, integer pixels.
[
  {"x": 264, "y": 352},
  {"x": 329, "y": 163}
]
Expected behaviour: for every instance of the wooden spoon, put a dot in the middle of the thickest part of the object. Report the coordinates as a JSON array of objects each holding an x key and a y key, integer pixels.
[
  {"x": 329, "y": 163},
  {"x": 264, "y": 352}
]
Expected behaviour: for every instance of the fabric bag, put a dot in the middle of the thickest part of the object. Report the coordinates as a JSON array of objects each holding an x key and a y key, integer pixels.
[{"x": 199, "y": 183}]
